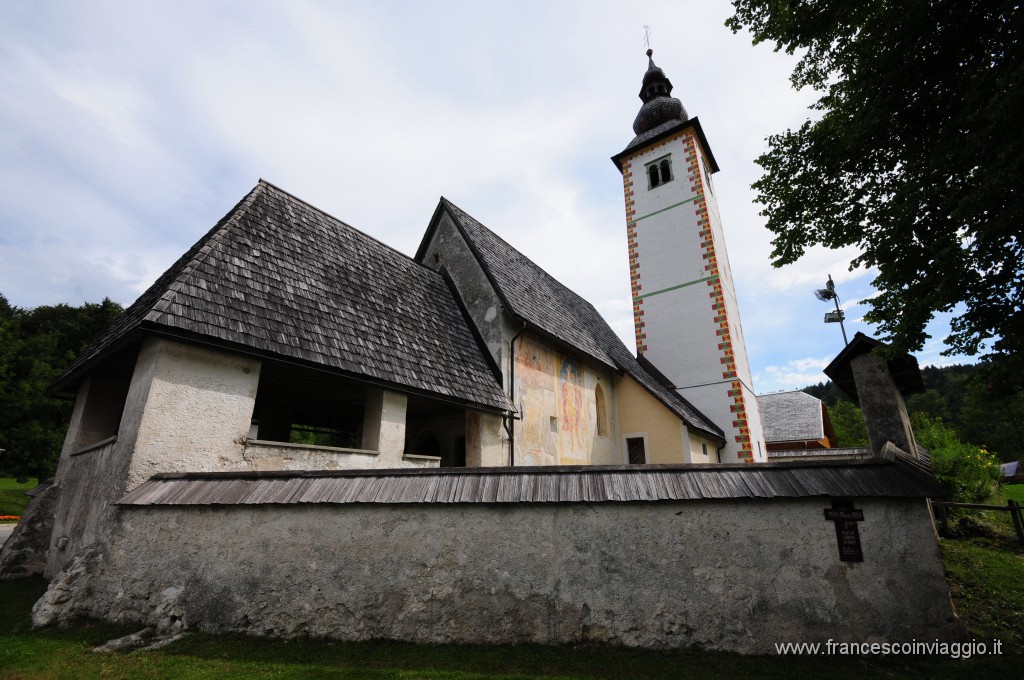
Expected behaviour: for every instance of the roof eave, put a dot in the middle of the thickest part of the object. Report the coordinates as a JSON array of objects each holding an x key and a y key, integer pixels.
[
  {"x": 169, "y": 332},
  {"x": 692, "y": 122},
  {"x": 69, "y": 382}
]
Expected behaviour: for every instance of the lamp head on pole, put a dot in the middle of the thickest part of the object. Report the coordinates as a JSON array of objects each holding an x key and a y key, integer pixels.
[{"x": 829, "y": 294}]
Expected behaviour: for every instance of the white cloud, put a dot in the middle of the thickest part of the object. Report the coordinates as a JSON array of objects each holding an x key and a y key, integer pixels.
[
  {"x": 794, "y": 374},
  {"x": 127, "y": 130}
]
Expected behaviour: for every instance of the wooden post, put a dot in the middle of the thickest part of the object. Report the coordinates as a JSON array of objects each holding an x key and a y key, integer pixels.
[
  {"x": 945, "y": 518},
  {"x": 1018, "y": 521}
]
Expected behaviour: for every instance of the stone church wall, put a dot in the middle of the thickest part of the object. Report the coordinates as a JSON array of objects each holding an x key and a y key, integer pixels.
[{"x": 736, "y": 575}]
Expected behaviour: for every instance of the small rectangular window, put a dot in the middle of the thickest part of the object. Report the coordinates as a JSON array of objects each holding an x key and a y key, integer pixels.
[{"x": 635, "y": 447}]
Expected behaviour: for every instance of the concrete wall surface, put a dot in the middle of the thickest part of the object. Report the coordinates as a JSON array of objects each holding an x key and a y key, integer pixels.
[
  {"x": 736, "y": 575},
  {"x": 189, "y": 409}
]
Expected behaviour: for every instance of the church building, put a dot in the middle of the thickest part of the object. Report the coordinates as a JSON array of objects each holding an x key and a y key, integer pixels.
[
  {"x": 285, "y": 339},
  {"x": 299, "y": 431}
]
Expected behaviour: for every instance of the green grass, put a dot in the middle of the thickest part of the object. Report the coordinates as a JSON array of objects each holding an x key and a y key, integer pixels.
[
  {"x": 1013, "y": 492},
  {"x": 66, "y": 653},
  {"x": 987, "y": 585},
  {"x": 12, "y": 495}
]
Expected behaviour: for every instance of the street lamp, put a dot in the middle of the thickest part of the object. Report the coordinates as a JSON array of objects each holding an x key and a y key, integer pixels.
[{"x": 829, "y": 293}]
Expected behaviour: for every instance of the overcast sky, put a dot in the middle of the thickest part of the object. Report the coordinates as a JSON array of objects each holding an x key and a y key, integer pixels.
[{"x": 127, "y": 129}]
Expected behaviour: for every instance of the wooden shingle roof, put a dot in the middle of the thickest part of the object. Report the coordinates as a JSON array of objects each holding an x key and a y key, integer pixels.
[
  {"x": 902, "y": 367},
  {"x": 282, "y": 279},
  {"x": 875, "y": 477},
  {"x": 534, "y": 296}
]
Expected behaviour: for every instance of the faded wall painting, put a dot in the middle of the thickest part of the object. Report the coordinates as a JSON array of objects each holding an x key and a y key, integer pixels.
[
  {"x": 535, "y": 398},
  {"x": 573, "y": 421},
  {"x": 556, "y": 397}
]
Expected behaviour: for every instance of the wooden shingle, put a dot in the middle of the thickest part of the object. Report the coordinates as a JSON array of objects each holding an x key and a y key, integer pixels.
[{"x": 876, "y": 477}]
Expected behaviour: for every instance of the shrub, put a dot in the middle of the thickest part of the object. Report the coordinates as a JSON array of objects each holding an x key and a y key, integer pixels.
[{"x": 968, "y": 473}]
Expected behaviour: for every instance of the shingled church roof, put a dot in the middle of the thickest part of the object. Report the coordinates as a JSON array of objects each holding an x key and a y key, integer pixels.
[
  {"x": 282, "y": 279},
  {"x": 534, "y": 296}
]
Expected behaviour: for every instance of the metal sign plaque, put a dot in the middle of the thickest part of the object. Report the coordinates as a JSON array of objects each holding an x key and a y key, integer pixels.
[{"x": 845, "y": 517}]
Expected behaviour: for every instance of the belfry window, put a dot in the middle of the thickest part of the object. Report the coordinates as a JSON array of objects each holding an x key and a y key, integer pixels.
[
  {"x": 654, "y": 174},
  {"x": 659, "y": 171}
]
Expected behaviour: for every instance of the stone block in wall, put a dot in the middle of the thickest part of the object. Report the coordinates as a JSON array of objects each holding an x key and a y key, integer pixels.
[{"x": 24, "y": 553}]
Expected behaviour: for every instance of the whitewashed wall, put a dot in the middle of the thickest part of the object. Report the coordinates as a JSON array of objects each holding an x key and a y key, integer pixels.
[
  {"x": 688, "y": 324},
  {"x": 737, "y": 575}
]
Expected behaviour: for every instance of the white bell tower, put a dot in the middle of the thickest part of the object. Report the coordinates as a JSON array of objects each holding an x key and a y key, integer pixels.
[{"x": 684, "y": 303}]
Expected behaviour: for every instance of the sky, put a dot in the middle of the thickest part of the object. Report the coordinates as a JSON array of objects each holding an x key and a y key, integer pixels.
[{"x": 127, "y": 129}]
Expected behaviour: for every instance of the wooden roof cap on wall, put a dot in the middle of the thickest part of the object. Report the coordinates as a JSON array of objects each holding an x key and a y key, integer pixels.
[
  {"x": 891, "y": 475},
  {"x": 903, "y": 367}
]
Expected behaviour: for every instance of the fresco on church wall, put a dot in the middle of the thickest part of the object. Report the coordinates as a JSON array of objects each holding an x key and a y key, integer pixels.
[
  {"x": 535, "y": 397},
  {"x": 573, "y": 419},
  {"x": 555, "y": 396}
]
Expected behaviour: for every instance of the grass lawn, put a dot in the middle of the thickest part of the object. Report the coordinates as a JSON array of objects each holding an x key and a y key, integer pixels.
[
  {"x": 987, "y": 585},
  {"x": 12, "y": 495},
  {"x": 1013, "y": 492}
]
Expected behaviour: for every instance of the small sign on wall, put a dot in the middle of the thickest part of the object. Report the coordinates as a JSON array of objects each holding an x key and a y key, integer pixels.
[{"x": 846, "y": 517}]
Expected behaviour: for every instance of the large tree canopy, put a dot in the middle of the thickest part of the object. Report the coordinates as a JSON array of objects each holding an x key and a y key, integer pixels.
[
  {"x": 917, "y": 157},
  {"x": 36, "y": 347}
]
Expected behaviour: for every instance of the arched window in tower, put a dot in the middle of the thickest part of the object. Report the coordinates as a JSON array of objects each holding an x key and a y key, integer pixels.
[
  {"x": 602, "y": 412},
  {"x": 653, "y": 173},
  {"x": 659, "y": 171}
]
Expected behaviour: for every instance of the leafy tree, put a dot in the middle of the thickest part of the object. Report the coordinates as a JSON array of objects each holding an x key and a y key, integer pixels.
[
  {"x": 36, "y": 347},
  {"x": 994, "y": 418},
  {"x": 964, "y": 397},
  {"x": 916, "y": 158},
  {"x": 848, "y": 424}
]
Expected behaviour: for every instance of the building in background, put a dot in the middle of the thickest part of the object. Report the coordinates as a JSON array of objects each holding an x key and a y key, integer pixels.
[{"x": 795, "y": 420}]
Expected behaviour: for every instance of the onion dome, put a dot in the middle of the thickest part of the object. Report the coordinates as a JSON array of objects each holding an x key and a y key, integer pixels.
[{"x": 659, "y": 106}]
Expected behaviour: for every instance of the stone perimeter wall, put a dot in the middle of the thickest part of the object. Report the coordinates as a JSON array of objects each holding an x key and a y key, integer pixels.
[{"x": 737, "y": 575}]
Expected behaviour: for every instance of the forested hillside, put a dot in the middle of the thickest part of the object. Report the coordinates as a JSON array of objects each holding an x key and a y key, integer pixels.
[
  {"x": 959, "y": 397},
  {"x": 36, "y": 346}
]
